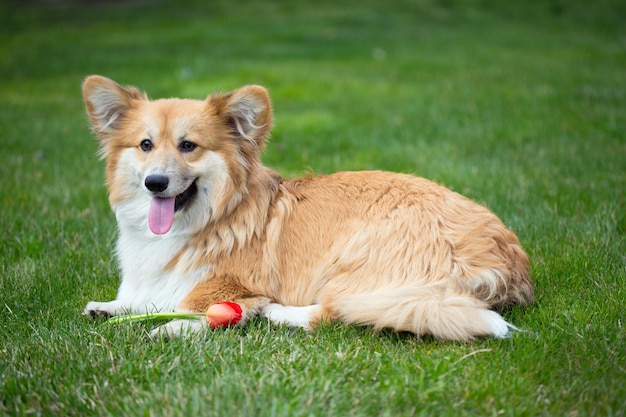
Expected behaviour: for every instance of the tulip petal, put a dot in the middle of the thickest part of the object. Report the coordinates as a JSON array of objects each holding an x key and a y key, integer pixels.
[{"x": 223, "y": 314}]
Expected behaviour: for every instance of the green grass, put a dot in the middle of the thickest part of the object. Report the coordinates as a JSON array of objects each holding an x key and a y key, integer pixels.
[{"x": 519, "y": 105}]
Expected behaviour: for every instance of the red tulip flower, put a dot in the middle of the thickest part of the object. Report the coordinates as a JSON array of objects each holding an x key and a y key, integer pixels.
[{"x": 223, "y": 314}]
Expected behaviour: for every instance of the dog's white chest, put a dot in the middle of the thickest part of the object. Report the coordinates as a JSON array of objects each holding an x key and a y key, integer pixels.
[{"x": 151, "y": 280}]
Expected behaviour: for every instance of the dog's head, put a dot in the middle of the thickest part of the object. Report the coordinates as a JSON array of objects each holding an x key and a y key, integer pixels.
[{"x": 176, "y": 155}]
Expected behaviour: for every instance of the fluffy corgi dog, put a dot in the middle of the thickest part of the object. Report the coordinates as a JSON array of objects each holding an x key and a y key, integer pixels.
[{"x": 202, "y": 223}]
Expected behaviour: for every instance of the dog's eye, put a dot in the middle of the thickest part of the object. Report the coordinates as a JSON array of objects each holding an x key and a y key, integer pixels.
[
  {"x": 187, "y": 146},
  {"x": 146, "y": 145}
]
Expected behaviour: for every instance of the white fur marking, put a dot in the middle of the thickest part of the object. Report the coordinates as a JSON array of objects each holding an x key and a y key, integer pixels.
[
  {"x": 176, "y": 328},
  {"x": 111, "y": 308},
  {"x": 289, "y": 315},
  {"x": 499, "y": 327}
]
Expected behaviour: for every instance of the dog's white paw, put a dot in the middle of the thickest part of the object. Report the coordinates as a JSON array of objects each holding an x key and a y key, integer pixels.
[
  {"x": 289, "y": 315},
  {"x": 177, "y": 328},
  {"x": 104, "y": 309}
]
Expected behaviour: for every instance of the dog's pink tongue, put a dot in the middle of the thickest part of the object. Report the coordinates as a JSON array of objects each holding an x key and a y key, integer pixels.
[{"x": 161, "y": 216}]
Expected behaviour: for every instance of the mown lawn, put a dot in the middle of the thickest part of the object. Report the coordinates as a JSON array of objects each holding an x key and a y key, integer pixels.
[{"x": 518, "y": 105}]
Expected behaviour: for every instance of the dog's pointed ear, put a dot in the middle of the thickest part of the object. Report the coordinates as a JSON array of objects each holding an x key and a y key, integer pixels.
[
  {"x": 108, "y": 103},
  {"x": 248, "y": 111}
]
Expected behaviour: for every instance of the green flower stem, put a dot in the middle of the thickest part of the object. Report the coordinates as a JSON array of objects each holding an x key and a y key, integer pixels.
[{"x": 127, "y": 318}]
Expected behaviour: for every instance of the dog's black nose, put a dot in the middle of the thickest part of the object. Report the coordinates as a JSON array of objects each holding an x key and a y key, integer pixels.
[{"x": 157, "y": 182}]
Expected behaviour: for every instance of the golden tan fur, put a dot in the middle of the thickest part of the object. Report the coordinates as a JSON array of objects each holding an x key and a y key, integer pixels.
[{"x": 372, "y": 248}]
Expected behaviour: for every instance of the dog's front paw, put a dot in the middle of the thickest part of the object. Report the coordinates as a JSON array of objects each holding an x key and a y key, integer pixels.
[
  {"x": 177, "y": 328},
  {"x": 99, "y": 309}
]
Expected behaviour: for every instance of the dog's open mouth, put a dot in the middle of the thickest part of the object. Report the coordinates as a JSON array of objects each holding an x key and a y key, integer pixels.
[
  {"x": 162, "y": 209},
  {"x": 183, "y": 198}
]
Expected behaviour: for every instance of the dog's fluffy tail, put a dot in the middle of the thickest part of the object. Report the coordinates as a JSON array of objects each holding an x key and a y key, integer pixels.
[{"x": 427, "y": 309}]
